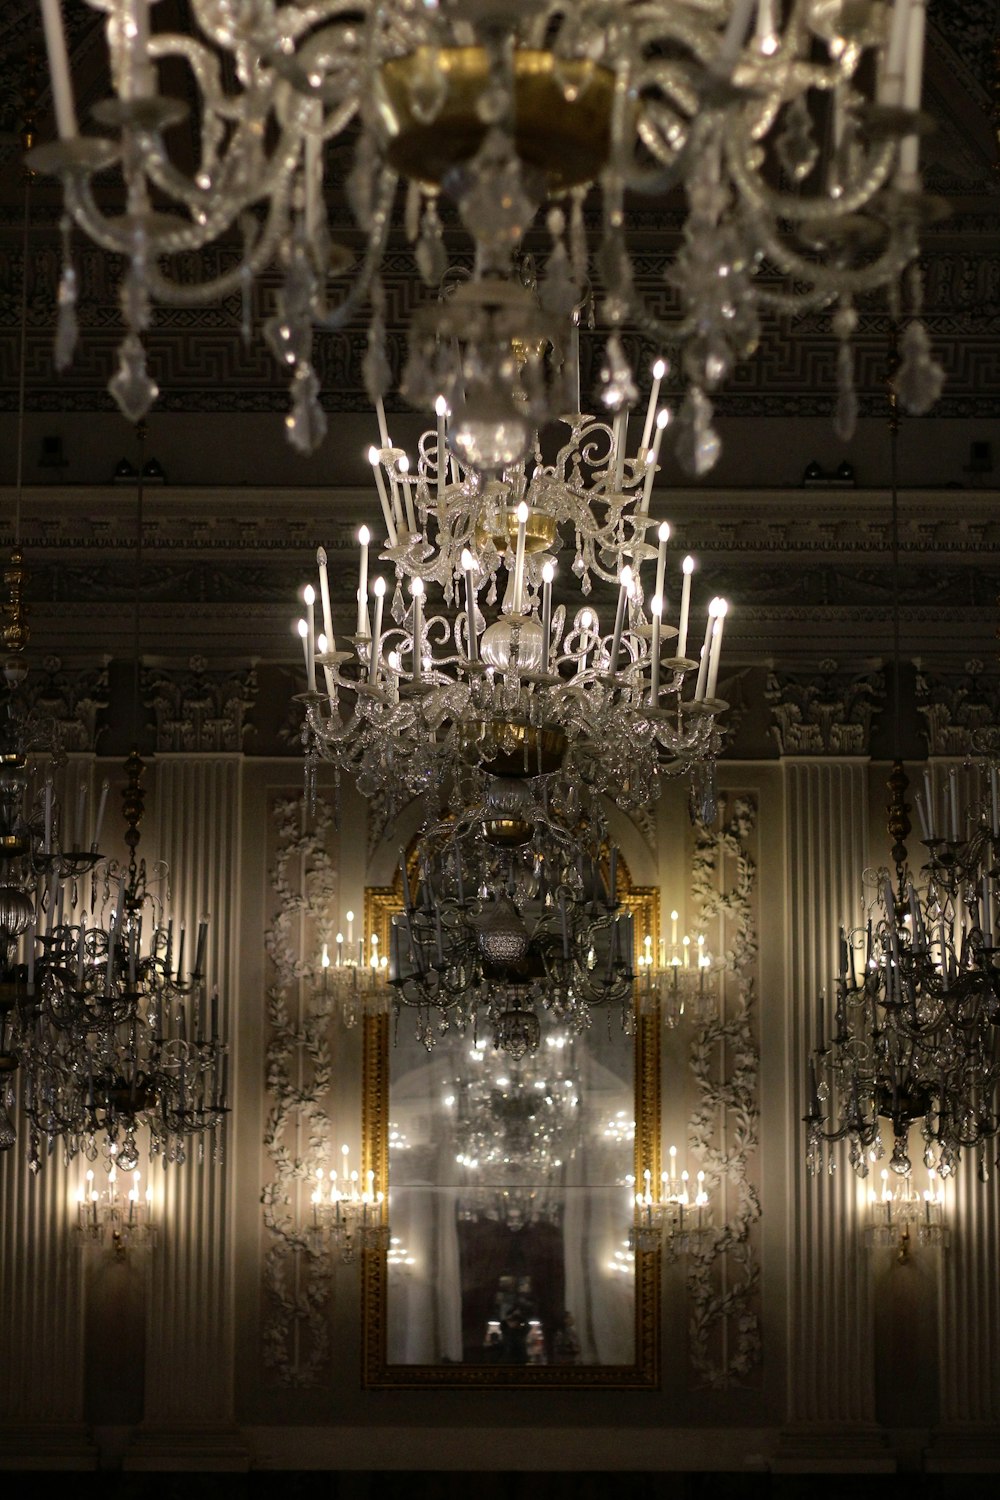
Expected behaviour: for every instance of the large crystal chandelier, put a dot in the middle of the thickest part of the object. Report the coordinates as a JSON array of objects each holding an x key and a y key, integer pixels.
[
  {"x": 494, "y": 673},
  {"x": 513, "y": 915},
  {"x": 792, "y": 131}
]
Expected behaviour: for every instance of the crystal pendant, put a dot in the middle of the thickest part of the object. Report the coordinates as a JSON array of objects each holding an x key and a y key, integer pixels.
[
  {"x": 67, "y": 327},
  {"x": 618, "y": 388},
  {"x": 796, "y": 145},
  {"x": 133, "y": 390},
  {"x": 697, "y": 443},
  {"x": 919, "y": 378},
  {"x": 306, "y": 422}
]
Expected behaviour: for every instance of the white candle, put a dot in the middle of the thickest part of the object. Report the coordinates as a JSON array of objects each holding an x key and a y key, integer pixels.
[
  {"x": 324, "y": 594},
  {"x": 659, "y": 370},
  {"x": 587, "y": 619},
  {"x": 656, "y": 610},
  {"x": 390, "y": 526},
  {"x": 379, "y": 587},
  {"x": 909, "y": 149},
  {"x": 574, "y": 359},
  {"x": 81, "y": 802},
  {"x": 383, "y": 430},
  {"x": 522, "y": 521},
  {"x": 47, "y": 846},
  {"x": 62, "y": 87},
  {"x": 713, "y": 665},
  {"x": 309, "y": 595},
  {"x": 663, "y": 537},
  {"x": 687, "y": 567},
  {"x": 441, "y": 408},
  {"x": 953, "y": 794},
  {"x": 890, "y": 80},
  {"x": 662, "y": 419},
  {"x": 548, "y": 573},
  {"x": 468, "y": 568},
  {"x": 703, "y": 660},
  {"x": 404, "y": 470},
  {"x": 308, "y": 656},
  {"x": 100, "y": 815},
  {"x": 364, "y": 537},
  {"x": 616, "y": 640},
  {"x": 417, "y": 590},
  {"x": 995, "y": 802}
]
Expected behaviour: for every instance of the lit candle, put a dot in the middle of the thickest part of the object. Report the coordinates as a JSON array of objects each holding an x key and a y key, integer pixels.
[
  {"x": 659, "y": 370},
  {"x": 705, "y": 652},
  {"x": 62, "y": 87},
  {"x": 375, "y": 459},
  {"x": 309, "y": 595},
  {"x": 310, "y": 659},
  {"x": 587, "y": 619},
  {"x": 663, "y": 537},
  {"x": 468, "y": 568},
  {"x": 364, "y": 537},
  {"x": 662, "y": 419},
  {"x": 373, "y": 665},
  {"x": 441, "y": 408},
  {"x": 716, "y": 650},
  {"x": 548, "y": 573},
  {"x": 522, "y": 521},
  {"x": 404, "y": 473},
  {"x": 687, "y": 568},
  {"x": 619, "y": 433},
  {"x": 350, "y": 928},
  {"x": 616, "y": 640},
  {"x": 324, "y": 593},
  {"x": 656, "y": 610},
  {"x": 417, "y": 590}
]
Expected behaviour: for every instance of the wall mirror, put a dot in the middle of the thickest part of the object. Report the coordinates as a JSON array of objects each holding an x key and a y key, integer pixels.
[{"x": 509, "y": 1184}]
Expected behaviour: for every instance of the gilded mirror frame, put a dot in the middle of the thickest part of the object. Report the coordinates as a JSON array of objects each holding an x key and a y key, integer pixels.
[{"x": 381, "y": 903}]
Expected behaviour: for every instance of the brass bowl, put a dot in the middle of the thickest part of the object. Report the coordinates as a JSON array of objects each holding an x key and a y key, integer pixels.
[
  {"x": 566, "y": 138},
  {"x": 539, "y": 532},
  {"x": 506, "y": 833}
]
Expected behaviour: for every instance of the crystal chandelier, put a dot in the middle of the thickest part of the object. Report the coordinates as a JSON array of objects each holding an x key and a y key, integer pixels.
[
  {"x": 512, "y": 915},
  {"x": 498, "y": 675},
  {"x": 346, "y": 1217},
  {"x": 899, "y": 1210},
  {"x": 110, "y": 1218},
  {"x": 792, "y": 132},
  {"x": 676, "y": 1217}
]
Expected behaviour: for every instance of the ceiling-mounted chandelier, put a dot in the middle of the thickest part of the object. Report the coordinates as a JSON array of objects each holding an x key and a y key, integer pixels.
[
  {"x": 793, "y": 133},
  {"x": 494, "y": 673},
  {"x": 513, "y": 916}
]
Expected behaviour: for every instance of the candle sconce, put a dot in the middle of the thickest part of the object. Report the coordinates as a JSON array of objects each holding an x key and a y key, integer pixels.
[
  {"x": 355, "y": 983},
  {"x": 898, "y": 1214},
  {"x": 678, "y": 1219},
  {"x": 345, "y": 1217},
  {"x": 114, "y": 1220},
  {"x": 683, "y": 980}
]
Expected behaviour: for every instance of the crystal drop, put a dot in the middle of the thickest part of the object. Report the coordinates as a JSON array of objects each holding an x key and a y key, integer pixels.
[
  {"x": 920, "y": 377},
  {"x": 697, "y": 443},
  {"x": 306, "y": 422},
  {"x": 34, "y": 1166},
  {"x": 431, "y": 257},
  {"x": 796, "y": 145},
  {"x": 66, "y": 323},
  {"x": 135, "y": 297},
  {"x": 131, "y": 387},
  {"x": 398, "y": 609},
  {"x": 618, "y": 387},
  {"x": 428, "y": 84},
  {"x": 579, "y": 566}
]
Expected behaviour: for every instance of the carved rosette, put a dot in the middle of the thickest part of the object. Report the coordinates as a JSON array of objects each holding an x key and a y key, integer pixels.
[
  {"x": 824, "y": 713},
  {"x": 296, "y": 1276},
  {"x": 723, "y": 1272}
]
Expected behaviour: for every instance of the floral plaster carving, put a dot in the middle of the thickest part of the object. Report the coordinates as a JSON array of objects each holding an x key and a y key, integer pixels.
[
  {"x": 297, "y": 1137},
  {"x": 957, "y": 707},
  {"x": 722, "y": 1270},
  {"x": 829, "y": 713}
]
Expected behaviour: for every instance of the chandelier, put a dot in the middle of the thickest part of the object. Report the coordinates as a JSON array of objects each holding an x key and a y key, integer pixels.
[
  {"x": 498, "y": 675},
  {"x": 792, "y": 132},
  {"x": 898, "y": 1210},
  {"x": 512, "y": 915},
  {"x": 346, "y": 1217},
  {"x": 677, "y": 1216},
  {"x": 111, "y": 1218}
]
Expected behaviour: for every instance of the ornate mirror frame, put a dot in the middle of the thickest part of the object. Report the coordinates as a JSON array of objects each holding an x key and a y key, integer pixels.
[{"x": 644, "y": 1372}]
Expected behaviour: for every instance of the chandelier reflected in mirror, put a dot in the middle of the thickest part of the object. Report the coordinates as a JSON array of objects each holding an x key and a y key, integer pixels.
[{"x": 791, "y": 131}]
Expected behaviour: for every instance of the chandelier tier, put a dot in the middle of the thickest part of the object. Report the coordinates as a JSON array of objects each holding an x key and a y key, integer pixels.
[
  {"x": 792, "y": 131},
  {"x": 496, "y": 677}
]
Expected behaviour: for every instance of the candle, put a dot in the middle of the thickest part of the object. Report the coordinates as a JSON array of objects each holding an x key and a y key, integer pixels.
[
  {"x": 350, "y": 928},
  {"x": 995, "y": 826},
  {"x": 522, "y": 521},
  {"x": 309, "y": 595},
  {"x": 587, "y": 619},
  {"x": 734, "y": 37},
  {"x": 100, "y": 815},
  {"x": 417, "y": 590},
  {"x": 890, "y": 81},
  {"x": 687, "y": 568},
  {"x": 80, "y": 949},
  {"x": 548, "y": 573},
  {"x": 47, "y": 846},
  {"x": 468, "y": 568},
  {"x": 310, "y": 659},
  {"x": 663, "y": 537},
  {"x": 382, "y": 428},
  {"x": 662, "y": 419},
  {"x": 705, "y": 652},
  {"x": 716, "y": 651},
  {"x": 62, "y": 87},
  {"x": 374, "y": 458},
  {"x": 324, "y": 592},
  {"x": 659, "y": 370},
  {"x": 953, "y": 798},
  {"x": 441, "y": 408},
  {"x": 909, "y": 149},
  {"x": 404, "y": 473},
  {"x": 373, "y": 665},
  {"x": 656, "y": 610},
  {"x": 364, "y": 537},
  {"x": 199, "y": 958},
  {"x": 574, "y": 360},
  {"x": 616, "y": 640},
  {"x": 619, "y": 436}
]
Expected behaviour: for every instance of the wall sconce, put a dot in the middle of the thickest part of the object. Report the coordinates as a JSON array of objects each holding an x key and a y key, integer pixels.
[
  {"x": 683, "y": 976},
  {"x": 898, "y": 1212},
  {"x": 678, "y": 1218},
  {"x": 115, "y": 1220},
  {"x": 356, "y": 983},
  {"x": 347, "y": 1218}
]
